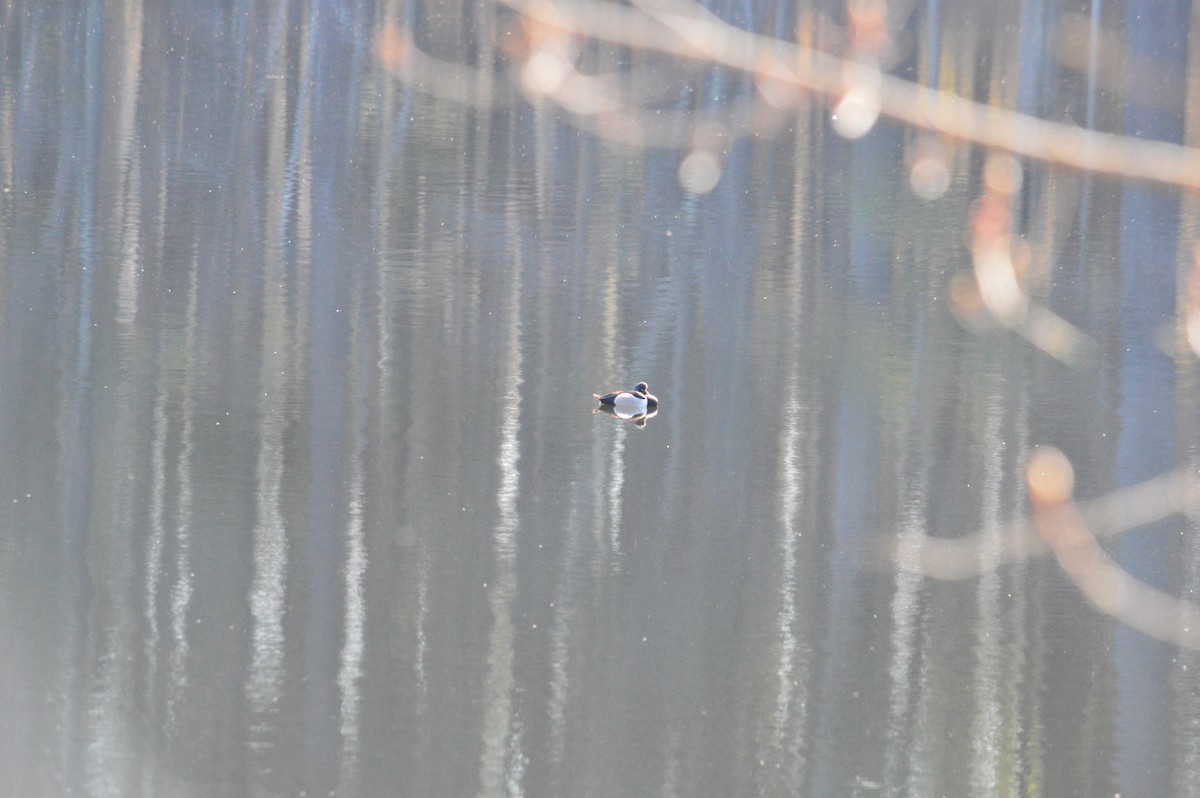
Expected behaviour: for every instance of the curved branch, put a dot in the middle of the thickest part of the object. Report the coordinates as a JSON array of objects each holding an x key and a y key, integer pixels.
[{"x": 684, "y": 29}]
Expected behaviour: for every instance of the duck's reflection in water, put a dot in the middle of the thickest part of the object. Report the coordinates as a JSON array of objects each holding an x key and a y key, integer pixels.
[{"x": 638, "y": 418}]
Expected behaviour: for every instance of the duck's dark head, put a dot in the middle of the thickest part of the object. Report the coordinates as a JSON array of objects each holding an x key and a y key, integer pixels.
[{"x": 642, "y": 387}]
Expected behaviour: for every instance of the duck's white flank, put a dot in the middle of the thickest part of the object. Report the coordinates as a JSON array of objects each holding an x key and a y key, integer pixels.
[{"x": 630, "y": 401}]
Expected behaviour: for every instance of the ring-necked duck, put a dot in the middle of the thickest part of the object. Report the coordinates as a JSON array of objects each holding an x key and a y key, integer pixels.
[{"x": 639, "y": 400}]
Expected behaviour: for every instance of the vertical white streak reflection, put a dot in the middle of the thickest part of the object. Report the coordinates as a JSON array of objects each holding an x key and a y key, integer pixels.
[
  {"x": 158, "y": 533},
  {"x": 616, "y": 488},
  {"x": 498, "y": 685},
  {"x": 616, "y": 455},
  {"x": 987, "y": 723},
  {"x": 268, "y": 587},
  {"x": 786, "y": 746},
  {"x": 129, "y": 163},
  {"x": 1023, "y": 742},
  {"x": 107, "y": 743},
  {"x": 267, "y": 591},
  {"x": 924, "y": 743},
  {"x": 181, "y": 592},
  {"x": 906, "y": 607},
  {"x": 422, "y": 638},
  {"x": 787, "y": 739},
  {"x": 127, "y": 280},
  {"x": 350, "y": 664},
  {"x": 158, "y": 458}
]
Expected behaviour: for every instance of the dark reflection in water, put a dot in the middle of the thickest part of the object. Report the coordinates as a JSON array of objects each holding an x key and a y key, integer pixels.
[{"x": 304, "y": 492}]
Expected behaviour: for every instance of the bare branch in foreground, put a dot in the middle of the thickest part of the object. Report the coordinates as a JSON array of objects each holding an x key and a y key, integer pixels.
[
  {"x": 1128, "y": 508},
  {"x": 1110, "y": 588},
  {"x": 686, "y": 30},
  {"x": 997, "y": 295}
]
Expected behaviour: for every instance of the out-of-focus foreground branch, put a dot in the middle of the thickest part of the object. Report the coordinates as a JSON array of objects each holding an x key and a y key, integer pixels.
[
  {"x": 1110, "y": 588},
  {"x": 1071, "y": 531},
  {"x": 546, "y": 48},
  {"x": 1176, "y": 492}
]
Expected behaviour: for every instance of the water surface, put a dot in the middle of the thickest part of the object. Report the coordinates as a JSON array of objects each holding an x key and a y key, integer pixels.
[{"x": 304, "y": 492}]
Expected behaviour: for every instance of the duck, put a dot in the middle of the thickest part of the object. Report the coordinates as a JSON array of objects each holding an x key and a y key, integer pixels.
[{"x": 638, "y": 401}]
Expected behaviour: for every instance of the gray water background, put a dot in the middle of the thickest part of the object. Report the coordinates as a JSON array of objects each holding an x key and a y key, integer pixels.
[{"x": 302, "y": 492}]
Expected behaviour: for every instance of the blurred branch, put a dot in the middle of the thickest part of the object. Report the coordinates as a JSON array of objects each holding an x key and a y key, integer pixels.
[
  {"x": 997, "y": 295},
  {"x": 1109, "y": 588},
  {"x": 858, "y": 90},
  {"x": 700, "y": 34},
  {"x": 1121, "y": 510}
]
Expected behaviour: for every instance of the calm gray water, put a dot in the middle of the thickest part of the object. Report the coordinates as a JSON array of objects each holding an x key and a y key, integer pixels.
[{"x": 303, "y": 492}]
